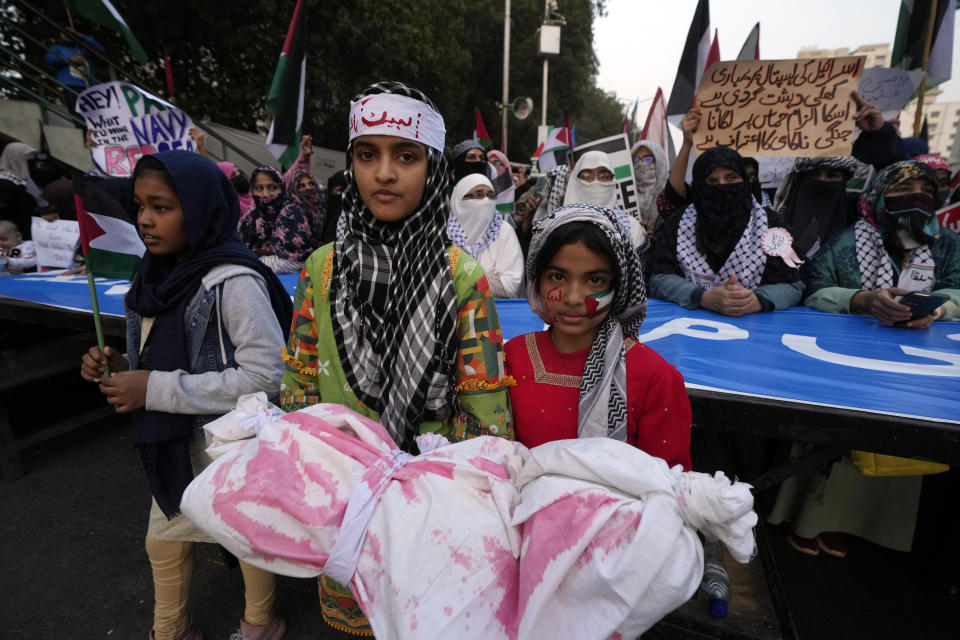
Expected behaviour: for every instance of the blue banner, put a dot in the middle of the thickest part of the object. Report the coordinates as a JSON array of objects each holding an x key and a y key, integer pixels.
[{"x": 799, "y": 354}]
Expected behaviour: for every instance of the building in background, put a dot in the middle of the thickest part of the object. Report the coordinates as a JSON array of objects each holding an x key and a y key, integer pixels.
[
  {"x": 943, "y": 118},
  {"x": 878, "y": 55}
]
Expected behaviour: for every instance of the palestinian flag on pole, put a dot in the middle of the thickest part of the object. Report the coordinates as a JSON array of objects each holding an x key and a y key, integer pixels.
[
  {"x": 911, "y": 38},
  {"x": 656, "y": 128},
  {"x": 751, "y": 46},
  {"x": 713, "y": 56},
  {"x": 285, "y": 99},
  {"x": 480, "y": 132},
  {"x": 102, "y": 12},
  {"x": 505, "y": 189},
  {"x": 109, "y": 239},
  {"x": 556, "y": 141},
  {"x": 693, "y": 61}
]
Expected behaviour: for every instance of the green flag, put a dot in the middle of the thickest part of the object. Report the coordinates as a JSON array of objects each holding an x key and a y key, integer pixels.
[
  {"x": 911, "y": 38},
  {"x": 286, "y": 95},
  {"x": 102, "y": 12}
]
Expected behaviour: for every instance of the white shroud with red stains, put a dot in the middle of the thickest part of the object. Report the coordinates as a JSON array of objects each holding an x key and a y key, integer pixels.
[{"x": 483, "y": 539}]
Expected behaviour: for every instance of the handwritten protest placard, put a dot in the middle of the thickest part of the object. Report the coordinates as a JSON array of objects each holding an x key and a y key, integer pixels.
[
  {"x": 618, "y": 149},
  {"x": 889, "y": 89},
  {"x": 56, "y": 241},
  {"x": 126, "y": 122},
  {"x": 779, "y": 107}
]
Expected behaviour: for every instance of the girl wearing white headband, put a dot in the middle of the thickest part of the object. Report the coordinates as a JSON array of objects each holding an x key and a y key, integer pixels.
[{"x": 390, "y": 319}]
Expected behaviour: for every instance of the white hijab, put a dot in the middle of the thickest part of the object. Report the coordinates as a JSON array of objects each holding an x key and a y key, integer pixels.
[
  {"x": 474, "y": 216},
  {"x": 603, "y": 194}
]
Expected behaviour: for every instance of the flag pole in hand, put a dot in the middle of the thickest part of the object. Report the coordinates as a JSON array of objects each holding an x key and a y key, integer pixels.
[{"x": 98, "y": 324}]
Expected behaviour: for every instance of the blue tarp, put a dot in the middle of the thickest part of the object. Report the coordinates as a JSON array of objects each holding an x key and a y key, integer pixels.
[{"x": 799, "y": 354}]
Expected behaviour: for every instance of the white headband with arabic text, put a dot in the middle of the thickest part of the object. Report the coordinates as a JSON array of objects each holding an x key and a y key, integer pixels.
[{"x": 389, "y": 114}]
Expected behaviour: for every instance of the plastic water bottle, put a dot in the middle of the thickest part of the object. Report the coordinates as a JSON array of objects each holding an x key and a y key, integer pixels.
[{"x": 715, "y": 582}]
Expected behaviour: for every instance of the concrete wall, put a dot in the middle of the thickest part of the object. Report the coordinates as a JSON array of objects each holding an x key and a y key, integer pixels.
[{"x": 19, "y": 120}]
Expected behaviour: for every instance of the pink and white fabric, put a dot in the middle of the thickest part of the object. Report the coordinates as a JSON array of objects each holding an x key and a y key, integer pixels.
[{"x": 585, "y": 538}]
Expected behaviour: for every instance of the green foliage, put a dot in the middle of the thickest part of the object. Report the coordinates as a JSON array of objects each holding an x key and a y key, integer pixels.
[{"x": 224, "y": 55}]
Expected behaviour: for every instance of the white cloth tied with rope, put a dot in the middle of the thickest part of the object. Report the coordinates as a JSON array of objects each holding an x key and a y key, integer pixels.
[
  {"x": 462, "y": 541},
  {"x": 345, "y": 554}
]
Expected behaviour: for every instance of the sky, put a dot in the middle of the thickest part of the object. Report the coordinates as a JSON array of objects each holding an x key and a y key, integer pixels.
[{"x": 639, "y": 42}]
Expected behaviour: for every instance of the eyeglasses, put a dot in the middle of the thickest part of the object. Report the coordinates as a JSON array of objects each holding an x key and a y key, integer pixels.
[
  {"x": 478, "y": 195},
  {"x": 601, "y": 174},
  {"x": 644, "y": 160}
]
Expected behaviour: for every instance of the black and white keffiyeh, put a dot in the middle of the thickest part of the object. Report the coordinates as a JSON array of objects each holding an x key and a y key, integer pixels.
[
  {"x": 747, "y": 258},
  {"x": 557, "y": 178},
  {"x": 876, "y": 270},
  {"x": 393, "y": 303},
  {"x": 603, "y": 387}
]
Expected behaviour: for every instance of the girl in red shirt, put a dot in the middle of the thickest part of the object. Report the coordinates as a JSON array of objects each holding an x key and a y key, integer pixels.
[{"x": 586, "y": 376}]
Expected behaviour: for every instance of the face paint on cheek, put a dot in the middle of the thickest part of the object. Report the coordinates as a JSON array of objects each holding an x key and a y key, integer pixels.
[
  {"x": 598, "y": 302},
  {"x": 554, "y": 295}
]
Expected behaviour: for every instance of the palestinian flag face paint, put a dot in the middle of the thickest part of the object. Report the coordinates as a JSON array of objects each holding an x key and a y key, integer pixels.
[{"x": 598, "y": 302}]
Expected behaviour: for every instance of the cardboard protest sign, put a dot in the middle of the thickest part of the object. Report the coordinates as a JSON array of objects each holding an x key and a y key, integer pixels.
[
  {"x": 126, "y": 122},
  {"x": 56, "y": 242},
  {"x": 779, "y": 107},
  {"x": 618, "y": 148},
  {"x": 949, "y": 217},
  {"x": 889, "y": 89},
  {"x": 773, "y": 169}
]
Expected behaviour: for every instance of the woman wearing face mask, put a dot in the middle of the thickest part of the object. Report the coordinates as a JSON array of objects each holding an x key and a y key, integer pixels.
[
  {"x": 592, "y": 182},
  {"x": 862, "y": 270},
  {"x": 650, "y": 172},
  {"x": 813, "y": 201},
  {"x": 311, "y": 195},
  {"x": 335, "y": 186},
  {"x": 278, "y": 229},
  {"x": 712, "y": 257},
  {"x": 241, "y": 183},
  {"x": 469, "y": 157},
  {"x": 475, "y": 227},
  {"x": 896, "y": 247}
]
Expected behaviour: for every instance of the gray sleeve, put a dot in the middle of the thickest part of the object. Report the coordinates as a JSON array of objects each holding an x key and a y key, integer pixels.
[
  {"x": 252, "y": 326},
  {"x": 782, "y": 295},
  {"x": 673, "y": 288}
]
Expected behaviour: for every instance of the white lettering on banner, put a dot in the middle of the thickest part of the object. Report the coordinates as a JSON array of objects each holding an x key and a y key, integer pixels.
[
  {"x": 953, "y": 336},
  {"x": 117, "y": 290},
  {"x": 684, "y": 327},
  {"x": 807, "y": 345}
]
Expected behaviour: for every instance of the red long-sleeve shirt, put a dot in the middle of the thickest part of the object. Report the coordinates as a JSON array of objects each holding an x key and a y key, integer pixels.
[{"x": 546, "y": 398}]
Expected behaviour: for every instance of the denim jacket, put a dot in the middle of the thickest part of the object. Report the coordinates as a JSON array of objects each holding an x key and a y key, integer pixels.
[{"x": 233, "y": 346}]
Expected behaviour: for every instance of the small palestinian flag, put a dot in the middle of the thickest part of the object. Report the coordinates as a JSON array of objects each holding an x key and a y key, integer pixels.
[
  {"x": 109, "y": 239},
  {"x": 285, "y": 99},
  {"x": 553, "y": 148},
  {"x": 480, "y": 132},
  {"x": 505, "y": 189},
  {"x": 599, "y": 301}
]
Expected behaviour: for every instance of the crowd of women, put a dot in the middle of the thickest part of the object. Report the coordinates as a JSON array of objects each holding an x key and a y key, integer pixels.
[{"x": 400, "y": 259}]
